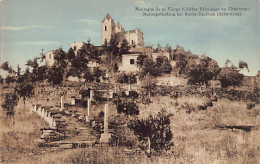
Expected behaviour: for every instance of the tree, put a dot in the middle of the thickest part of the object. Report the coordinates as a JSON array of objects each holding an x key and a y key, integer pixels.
[
  {"x": 150, "y": 68},
  {"x": 10, "y": 101},
  {"x": 24, "y": 90},
  {"x": 89, "y": 51},
  {"x": 126, "y": 78},
  {"x": 55, "y": 75},
  {"x": 24, "y": 86},
  {"x": 70, "y": 55},
  {"x": 9, "y": 79},
  {"x": 5, "y": 66},
  {"x": 230, "y": 76},
  {"x": 124, "y": 48},
  {"x": 141, "y": 60},
  {"x": 181, "y": 63},
  {"x": 129, "y": 108},
  {"x": 155, "y": 131},
  {"x": 60, "y": 58},
  {"x": 203, "y": 72},
  {"x": 163, "y": 64},
  {"x": 243, "y": 65}
]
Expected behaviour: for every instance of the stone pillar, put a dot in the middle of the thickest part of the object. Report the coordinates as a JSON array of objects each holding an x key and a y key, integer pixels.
[
  {"x": 61, "y": 103},
  {"x": 115, "y": 88},
  {"x": 89, "y": 103},
  {"x": 106, "y": 119},
  {"x": 91, "y": 94},
  {"x": 129, "y": 87},
  {"x": 105, "y": 137}
]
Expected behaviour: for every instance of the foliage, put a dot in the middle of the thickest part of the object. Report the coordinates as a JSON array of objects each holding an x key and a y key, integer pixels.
[
  {"x": 141, "y": 59},
  {"x": 24, "y": 86},
  {"x": 89, "y": 51},
  {"x": 10, "y": 101},
  {"x": 126, "y": 78},
  {"x": 149, "y": 68},
  {"x": 243, "y": 65},
  {"x": 9, "y": 79},
  {"x": 5, "y": 66},
  {"x": 203, "y": 72},
  {"x": 92, "y": 76},
  {"x": 181, "y": 63},
  {"x": 25, "y": 90},
  {"x": 85, "y": 93},
  {"x": 126, "y": 107},
  {"x": 124, "y": 48},
  {"x": 55, "y": 75},
  {"x": 70, "y": 55},
  {"x": 1, "y": 80},
  {"x": 163, "y": 64},
  {"x": 154, "y": 128},
  {"x": 38, "y": 73},
  {"x": 230, "y": 76}
]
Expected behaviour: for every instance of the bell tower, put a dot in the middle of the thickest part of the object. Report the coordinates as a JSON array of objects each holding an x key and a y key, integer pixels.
[{"x": 107, "y": 28}]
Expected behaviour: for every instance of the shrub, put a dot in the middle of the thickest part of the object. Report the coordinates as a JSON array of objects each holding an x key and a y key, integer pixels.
[
  {"x": 126, "y": 107},
  {"x": 154, "y": 131}
]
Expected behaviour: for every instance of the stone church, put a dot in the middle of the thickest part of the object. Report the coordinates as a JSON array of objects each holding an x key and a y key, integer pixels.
[{"x": 109, "y": 29}]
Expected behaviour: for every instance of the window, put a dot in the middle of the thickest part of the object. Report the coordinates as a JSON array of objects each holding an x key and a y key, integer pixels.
[
  {"x": 132, "y": 61},
  {"x": 105, "y": 28},
  {"x": 75, "y": 48},
  {"x": 132, "y": 42}
]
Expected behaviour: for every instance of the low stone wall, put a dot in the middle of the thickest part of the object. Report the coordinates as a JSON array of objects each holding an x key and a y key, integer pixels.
[{"x": 45, "y": 113}]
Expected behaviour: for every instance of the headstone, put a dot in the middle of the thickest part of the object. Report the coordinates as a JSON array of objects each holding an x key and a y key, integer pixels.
[
  {"x": 105, "y": 137},
  {"x": 73, "y": 101}
]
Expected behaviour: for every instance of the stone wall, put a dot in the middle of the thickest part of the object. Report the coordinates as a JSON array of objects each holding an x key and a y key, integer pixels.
[{"x": 45, "y": 113}]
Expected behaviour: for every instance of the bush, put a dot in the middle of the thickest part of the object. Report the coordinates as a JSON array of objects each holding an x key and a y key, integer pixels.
[
  {"x": 126, "y": 107},
  {"x": 155, "y": 129},
  {"x": 126, "y": 78}
]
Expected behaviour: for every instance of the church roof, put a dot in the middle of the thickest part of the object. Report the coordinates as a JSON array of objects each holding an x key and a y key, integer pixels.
[{"x": 108, "y": 17}]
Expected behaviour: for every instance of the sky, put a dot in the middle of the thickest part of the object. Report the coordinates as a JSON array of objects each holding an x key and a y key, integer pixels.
[{"x": 28, "y": 26}]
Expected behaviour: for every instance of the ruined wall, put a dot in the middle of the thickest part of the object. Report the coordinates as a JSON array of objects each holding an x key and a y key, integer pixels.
[
  {"x": 134, "y": 37},
  {"x": 76, "y": 46},
  {"x": 49, "y": 58}
]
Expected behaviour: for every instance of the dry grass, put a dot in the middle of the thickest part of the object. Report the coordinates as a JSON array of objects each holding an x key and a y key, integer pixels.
[{"x": 196, "y": 137}]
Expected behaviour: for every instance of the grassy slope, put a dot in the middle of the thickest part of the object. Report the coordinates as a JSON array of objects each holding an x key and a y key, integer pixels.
[{"x": 196, "y": 138}]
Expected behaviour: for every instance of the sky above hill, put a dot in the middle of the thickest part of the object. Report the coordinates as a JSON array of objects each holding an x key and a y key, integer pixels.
[{"x": 28, "y": 26}]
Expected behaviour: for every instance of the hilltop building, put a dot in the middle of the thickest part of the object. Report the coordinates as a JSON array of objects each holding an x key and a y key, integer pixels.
[{"x": 109, "y": 30}]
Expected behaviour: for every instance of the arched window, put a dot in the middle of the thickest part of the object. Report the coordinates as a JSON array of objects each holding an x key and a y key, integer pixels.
[
  {"x": 132, "y": 41},
  {"x": 105, "y": 28}
]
